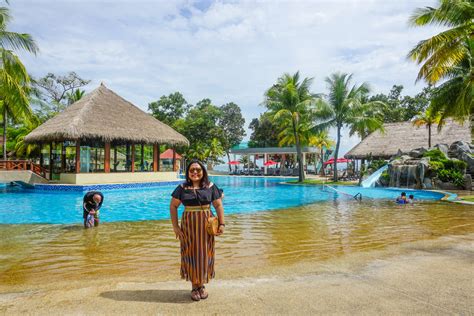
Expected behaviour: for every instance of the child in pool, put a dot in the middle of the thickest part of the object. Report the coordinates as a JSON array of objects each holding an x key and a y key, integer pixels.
[{"x": 402, "y": 199}]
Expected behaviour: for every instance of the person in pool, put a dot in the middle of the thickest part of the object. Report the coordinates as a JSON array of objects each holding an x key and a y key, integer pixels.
[
  {"x": 402, "y": 199},
  {"x": 411, "y": 199},
  {"x": 91, "y": 204}
]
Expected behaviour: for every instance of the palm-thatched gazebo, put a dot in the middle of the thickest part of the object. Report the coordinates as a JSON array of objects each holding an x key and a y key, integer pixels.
[
  {"x": 103, "y": 138},
  {"x": 404, "y": 137}
]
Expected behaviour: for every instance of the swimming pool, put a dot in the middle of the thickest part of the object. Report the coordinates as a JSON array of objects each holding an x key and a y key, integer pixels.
[{"x": 242, "y": 195}]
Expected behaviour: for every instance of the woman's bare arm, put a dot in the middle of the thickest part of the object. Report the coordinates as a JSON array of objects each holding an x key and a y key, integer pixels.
[
  {"x": 220, "y": 214},
  {"x": 174, "y": 204}
]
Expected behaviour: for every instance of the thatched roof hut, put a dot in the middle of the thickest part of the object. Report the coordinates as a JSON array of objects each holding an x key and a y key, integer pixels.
[
  {"x": 405, "y": 137},
  {"x": 102, "y": 115}
]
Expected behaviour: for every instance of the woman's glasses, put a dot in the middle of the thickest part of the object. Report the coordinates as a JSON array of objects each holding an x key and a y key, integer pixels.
[{"x": 195, "y": 170}]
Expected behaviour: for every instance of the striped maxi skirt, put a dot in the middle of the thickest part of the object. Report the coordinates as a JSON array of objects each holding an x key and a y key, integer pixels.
[{"x": 197, "y": 246}]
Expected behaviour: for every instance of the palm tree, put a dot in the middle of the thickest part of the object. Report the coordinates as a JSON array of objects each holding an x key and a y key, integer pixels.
[
  {"x": 344, "y": 107},
  {"x": 371, "y": 119},
  {"x": 14, "y": 80},
  {"x": 322, "y": 141},
  {"x": 74, "y": 96},
  {"x": 289, "y": 102},
  {"x": 428, "y": 118},
  {"x": 448, "y": 56}
]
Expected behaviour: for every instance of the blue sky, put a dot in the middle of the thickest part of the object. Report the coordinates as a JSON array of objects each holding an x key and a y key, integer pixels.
[{"x": 226, "y": 50}]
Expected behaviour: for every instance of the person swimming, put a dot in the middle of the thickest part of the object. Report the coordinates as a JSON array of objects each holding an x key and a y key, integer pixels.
[{"x": 402, "y": 199}]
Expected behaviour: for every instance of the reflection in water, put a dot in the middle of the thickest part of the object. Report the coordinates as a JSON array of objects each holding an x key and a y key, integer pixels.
[{"x": 35, "y": 254}]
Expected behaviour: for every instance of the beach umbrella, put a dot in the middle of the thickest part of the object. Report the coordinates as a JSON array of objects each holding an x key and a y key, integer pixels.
[
  {"x": 339, "y": 160},
  {"x": 234, "y": 162},
  {"x": 270, "y": 163}
]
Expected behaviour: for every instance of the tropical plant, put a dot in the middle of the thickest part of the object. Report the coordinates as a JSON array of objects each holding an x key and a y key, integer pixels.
[
  {"x": 14, "y": 79},
  {"x": 168, "y": 109},
  {"x": 448, "y": 56},
  {"x": 290, "y": 105},
  {"x": 264, "y": 132},
  {"x": 74, "y": 96},
  {"x": 344, "y": 107},
  {"x": 322, "y": 141},
  {"x": 21, "y": 149},
  {"x": 428, "y": 118},
  {"x": 231, "y": 124}
]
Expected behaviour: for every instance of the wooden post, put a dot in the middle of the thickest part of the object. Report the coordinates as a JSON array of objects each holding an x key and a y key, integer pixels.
[
  {"x": 63, "y": 157},
  {"x": 115, "y": 158},
  {"x": 50, "y": 161},
  {"x": 174, "y": 159},
  {"x": 78, "y": 157},
  {"x": 107, "y": 158},
  {"x": 142, "y": 152},
  {"x": 41, "y": 156},
  {"x": 133, "y": 158},
  {"x": 156, "y": 155},
  {"x": 159, "y": 157}
]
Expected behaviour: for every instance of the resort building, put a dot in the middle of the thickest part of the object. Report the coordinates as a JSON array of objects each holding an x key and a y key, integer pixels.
[
  {"x": 102, "y": 138},
  {"x": 283, "y": 153},
  {"x": 404, "y": 137}
]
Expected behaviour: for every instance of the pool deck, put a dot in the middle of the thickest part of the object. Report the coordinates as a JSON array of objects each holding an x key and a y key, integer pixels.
[{"x": 426, "y": 277}]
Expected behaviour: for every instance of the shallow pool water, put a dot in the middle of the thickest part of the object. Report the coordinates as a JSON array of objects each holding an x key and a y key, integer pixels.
[
  {"x": 34, "y": 255},
  {"x": 242, "y": 195}
]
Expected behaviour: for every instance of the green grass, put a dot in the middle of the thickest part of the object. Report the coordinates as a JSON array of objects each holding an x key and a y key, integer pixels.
[
  {"x": 320, "y": 182},
  {"x": 469, "y": 198}
]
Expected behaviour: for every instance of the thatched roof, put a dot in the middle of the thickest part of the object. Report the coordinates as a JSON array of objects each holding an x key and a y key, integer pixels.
[
  {"x": 405, "y": 137},
  {"x": 103, "y": 115}
]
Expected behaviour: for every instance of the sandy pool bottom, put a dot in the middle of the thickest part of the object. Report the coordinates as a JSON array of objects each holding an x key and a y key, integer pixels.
[{"x": 422, "y": 277}]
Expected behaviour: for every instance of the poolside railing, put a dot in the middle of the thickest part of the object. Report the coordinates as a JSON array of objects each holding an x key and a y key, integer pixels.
[{"x": 22, "y": 165}]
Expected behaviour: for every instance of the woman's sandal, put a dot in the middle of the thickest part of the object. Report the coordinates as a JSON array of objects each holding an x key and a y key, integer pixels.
[
  {"x": 202, "y": 292},
  {"x": 195, "y": 294}
]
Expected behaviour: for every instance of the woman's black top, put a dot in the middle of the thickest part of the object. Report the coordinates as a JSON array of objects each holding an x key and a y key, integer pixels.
[{"x": 205, "y": 195}]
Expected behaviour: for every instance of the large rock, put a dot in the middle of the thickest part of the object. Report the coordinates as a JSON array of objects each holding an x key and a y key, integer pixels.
[
  {"x": 467, "y": 182},
  {"x": 444, "y": 148},
  {"x": 427, "y": 184},
  {"x": 460, "y": 147},
  {"x": 446, "y": 185},
  {"x": 469, "y": 159},
  {"x": 417, "y": 152}
]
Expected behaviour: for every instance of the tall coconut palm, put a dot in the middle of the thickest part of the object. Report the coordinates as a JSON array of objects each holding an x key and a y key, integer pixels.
[
  {"x": 14, "y": 80},
  {"x": 428, "y": 118},
  {"x": 344, "y": 107},
  {"x": 448, "y": 55},
  {"x": 14, "y": 86},
  {"x": 289, "y": 102}
]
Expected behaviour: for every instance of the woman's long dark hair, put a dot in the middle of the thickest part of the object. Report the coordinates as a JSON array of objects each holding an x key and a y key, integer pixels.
[{"x": 204, "y": 180}]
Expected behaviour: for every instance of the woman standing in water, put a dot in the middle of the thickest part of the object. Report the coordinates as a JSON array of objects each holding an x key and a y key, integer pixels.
[{"x": 197, "y": 246}]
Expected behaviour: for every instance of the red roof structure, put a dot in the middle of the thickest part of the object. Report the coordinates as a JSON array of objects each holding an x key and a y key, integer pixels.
[{"x": 168, "y": 154}]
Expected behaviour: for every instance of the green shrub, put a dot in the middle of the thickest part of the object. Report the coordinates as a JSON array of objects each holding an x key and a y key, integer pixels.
[
  {"x": 377, "y": 164},
  {"x": 451, "y": 175},
  {"x": 385, "y": 176},
  {"x": 435, "y": 155},
  {"x": 458, "y": 165},
  {"x": 436, "y": 165}
]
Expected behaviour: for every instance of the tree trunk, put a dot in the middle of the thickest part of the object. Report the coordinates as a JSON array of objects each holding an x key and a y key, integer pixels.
[
  {"x": 299, "y": 155},
  {"x": 322, "y": 162},
  {"x": 429, "y": 135},
  {"x": 336, "y": 152},
  {"x": 362, "y": 167},
  {"x": 228, "y": 160},
  {"x": 5, "y": 123}
]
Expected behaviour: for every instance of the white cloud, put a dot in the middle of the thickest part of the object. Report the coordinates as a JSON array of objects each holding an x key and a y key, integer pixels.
[{"x": 226, "y": 51}]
